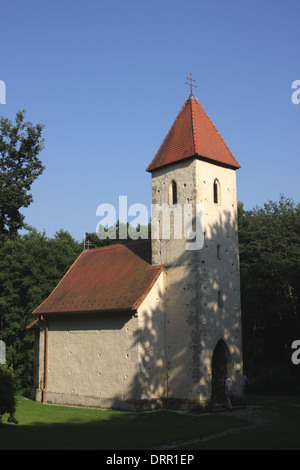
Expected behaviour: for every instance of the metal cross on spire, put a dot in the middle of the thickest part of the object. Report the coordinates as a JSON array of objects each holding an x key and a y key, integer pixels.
[{"x": 191, "y": 84}]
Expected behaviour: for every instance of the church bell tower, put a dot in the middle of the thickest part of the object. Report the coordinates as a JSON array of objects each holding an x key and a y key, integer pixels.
[{"x": 194, "y": 186}]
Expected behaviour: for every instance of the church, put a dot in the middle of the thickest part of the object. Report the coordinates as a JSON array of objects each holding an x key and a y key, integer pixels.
[{"x": 151, "y": 324}]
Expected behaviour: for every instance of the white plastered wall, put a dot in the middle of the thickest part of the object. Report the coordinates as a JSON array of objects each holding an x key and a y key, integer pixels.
[{"x": 109, "y": 360}]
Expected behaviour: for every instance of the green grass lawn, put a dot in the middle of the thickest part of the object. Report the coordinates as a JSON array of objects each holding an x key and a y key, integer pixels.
[{"x": 59, "y": 427}]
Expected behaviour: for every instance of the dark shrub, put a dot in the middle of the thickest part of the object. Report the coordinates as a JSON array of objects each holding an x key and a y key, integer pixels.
[{"x": 7, "y": 395}]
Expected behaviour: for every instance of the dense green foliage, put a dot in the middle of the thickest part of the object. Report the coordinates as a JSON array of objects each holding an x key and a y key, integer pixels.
[
  {"x": 270, "y": 282},
  {"x": 31, "y": 265},
  {"x": 20, "y": 145},
  {"x": 7, "y": 395},
  {"x": 115, "y": 234}
]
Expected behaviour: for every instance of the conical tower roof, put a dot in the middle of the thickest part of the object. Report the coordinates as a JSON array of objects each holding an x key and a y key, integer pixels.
[{"x": 193, "y": 135}]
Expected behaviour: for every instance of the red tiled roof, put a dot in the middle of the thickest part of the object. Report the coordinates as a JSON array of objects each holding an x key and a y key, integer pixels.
[
  {"x": 193, "y": 135},
  {"x": 115, "y": 277}
]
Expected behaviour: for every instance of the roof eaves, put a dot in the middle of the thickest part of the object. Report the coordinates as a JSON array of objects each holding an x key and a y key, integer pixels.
[
  {"x": 34, "y": 325},
  {"x": 85, "y": 312}
]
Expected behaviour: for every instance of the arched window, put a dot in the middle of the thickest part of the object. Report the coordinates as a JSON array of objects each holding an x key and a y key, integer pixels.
[
  {"x": 216, "y": 190},
  {"x": 221, "y": 367},
  {"x": 172, "y": 193}
]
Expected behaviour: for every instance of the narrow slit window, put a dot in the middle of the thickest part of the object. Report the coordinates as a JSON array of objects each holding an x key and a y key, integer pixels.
[
  {"x": 216, "y": 190},
  {"x": 173, "y": 193},
  {"x": 220, "y": 298}
]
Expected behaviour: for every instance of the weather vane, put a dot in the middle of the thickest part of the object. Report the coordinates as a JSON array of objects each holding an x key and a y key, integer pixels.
[{"x": 191, "y": 84}]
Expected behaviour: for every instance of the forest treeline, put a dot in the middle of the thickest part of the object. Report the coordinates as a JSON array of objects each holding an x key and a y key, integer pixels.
[
  {"x": 269, "y": 242},
  {"x": 31, "y": 265}
]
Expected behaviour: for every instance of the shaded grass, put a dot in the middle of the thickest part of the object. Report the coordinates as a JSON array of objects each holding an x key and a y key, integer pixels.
[
  {"x": 50, "y": 427},
  {"x": 282, "y": 434}
]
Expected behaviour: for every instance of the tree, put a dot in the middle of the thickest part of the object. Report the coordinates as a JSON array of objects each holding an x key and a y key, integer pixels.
[
  {"x": 7, "y": 395},
  {"x": 31, "y": 266},
  {"x": 270, "y": 279},
  {"x": 20, "y": 145},
  {"x": 114, "y": 233}
]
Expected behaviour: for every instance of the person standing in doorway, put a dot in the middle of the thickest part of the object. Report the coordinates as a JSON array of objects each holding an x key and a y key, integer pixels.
[
  {"x": 245, "y": 382},
  {"x": 228, "y": 393}
]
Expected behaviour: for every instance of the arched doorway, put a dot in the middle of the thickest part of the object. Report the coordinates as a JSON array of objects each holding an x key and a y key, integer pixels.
[{"x": 220, "y": 362}]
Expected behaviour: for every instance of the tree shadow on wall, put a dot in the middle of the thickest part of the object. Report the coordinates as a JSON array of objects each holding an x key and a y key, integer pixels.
[{"x": 198, "y": 306}]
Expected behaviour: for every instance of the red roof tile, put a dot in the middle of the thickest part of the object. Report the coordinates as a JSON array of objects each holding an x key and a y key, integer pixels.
[
  {"x": 112, "y": 278},
  {"x": 193, "y": 135}
]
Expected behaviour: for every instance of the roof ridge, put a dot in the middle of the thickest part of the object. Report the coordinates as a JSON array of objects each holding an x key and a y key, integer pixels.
[
  {"x": 192, "y": 120},
  {"x": 115, "y": 246}
]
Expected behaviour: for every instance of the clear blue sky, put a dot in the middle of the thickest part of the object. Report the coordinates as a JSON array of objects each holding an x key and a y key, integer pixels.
[{"x": 107, "y": 79}]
